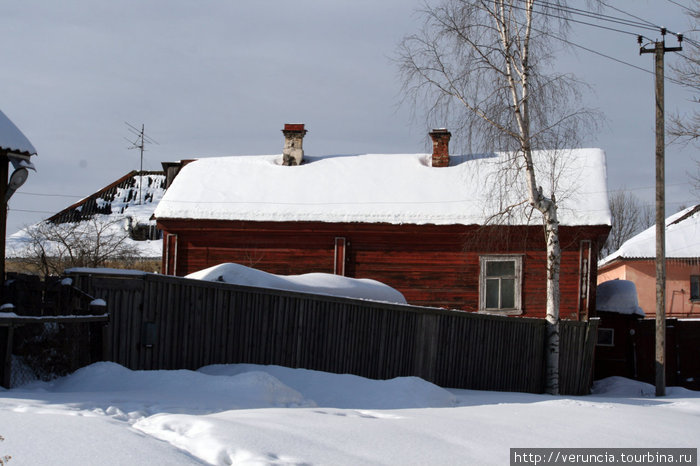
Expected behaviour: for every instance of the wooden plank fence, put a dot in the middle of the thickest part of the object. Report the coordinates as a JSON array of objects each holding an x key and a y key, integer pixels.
[{"x": 165, "y": 322}]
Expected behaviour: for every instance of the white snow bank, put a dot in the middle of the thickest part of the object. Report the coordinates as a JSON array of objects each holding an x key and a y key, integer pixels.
[
  {"x": 618, "y": 296},
  {"x": 391, "y": 188},
  {"x": 246, "y": 390},
  {"x": 108, "y": 415},
  {"x": 626, "y": 388},
  {"x": 317, "y": 283},
  {"x": 349, "y": 391}
]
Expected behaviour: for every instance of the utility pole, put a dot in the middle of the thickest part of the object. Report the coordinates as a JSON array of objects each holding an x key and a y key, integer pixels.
[{"x": 660, "y": 361}]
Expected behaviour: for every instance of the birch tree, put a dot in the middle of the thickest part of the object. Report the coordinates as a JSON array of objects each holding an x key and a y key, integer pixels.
[{"x": 483, "y": 67}]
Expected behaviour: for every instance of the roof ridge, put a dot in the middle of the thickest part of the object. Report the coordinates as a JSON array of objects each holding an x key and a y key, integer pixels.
[{"x": 692, "y": 212}]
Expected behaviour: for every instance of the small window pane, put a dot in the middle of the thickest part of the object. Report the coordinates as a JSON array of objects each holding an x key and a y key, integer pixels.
[
  {"x": 606, "y": 337},
  {"x": 500, "y": 268},
  {"x": 492, "y": 294},
  {"x": 695, "y": 287},
  {"x": 507, "y": 293}
]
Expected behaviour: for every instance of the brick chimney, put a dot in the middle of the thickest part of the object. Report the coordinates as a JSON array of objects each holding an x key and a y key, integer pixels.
[
  {"x": 441, "y": 147},
  {"x": 293, "y": 152}
]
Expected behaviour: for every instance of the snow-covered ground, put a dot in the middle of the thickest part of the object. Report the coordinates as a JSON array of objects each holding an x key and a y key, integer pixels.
[{"x": 245, "y": 414}]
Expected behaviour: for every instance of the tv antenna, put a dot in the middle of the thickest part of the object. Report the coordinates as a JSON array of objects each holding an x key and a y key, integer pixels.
[{"x": 139, "y": 143}]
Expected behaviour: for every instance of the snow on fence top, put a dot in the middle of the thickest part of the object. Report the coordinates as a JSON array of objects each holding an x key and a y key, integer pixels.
[
  {"x": 12, "y": 139},
  {"x": 386, "y": 188},
  {"x": 315, "y": 283},
  {"x": 682, "y": 233}
]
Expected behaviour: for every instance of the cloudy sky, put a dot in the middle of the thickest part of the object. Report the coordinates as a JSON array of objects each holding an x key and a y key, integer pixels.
[{"x": 222, "y": 77}]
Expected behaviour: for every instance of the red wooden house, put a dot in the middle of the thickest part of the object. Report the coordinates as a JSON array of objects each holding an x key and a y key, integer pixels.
[{"x": 430, "y": 225}]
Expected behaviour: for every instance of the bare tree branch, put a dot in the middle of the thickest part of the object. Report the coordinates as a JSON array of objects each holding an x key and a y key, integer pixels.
[
  {"x": 629, "y": 217},
  {"x": 91, "y": 243}
]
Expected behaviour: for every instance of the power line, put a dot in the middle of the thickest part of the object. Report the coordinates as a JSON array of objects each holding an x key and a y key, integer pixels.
[
  {"x": 587, "y": 23},
  {"x": 631, "y": 15},
  {"x": 595, "y": 15},
  {"x": 574, "y": 44},
  {"x": 613, "y": 19},
  {"x": 680, "y": 5},
  {"x": 49, "y": 195},
  {"x": 31, "y": 211}
]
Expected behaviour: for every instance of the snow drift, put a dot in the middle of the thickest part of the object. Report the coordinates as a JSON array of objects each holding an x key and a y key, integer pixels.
[
  {"x": 250, "y": 414},
  {"x": 618, "y": 296},
  {"x": 316, "y": 283}
]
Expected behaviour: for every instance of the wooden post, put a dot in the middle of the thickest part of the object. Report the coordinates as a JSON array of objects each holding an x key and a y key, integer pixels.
[
  {"x": 660, "y": 364},
  {"x": 4, "y": 162},
  {"x": 6, "y": 355}
]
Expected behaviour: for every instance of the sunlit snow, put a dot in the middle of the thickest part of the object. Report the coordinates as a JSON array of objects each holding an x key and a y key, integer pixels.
[
  {"x": 318, "y": 283},
  {"x": 391, "y": 188},
  {"x": 247, "y": 414}
]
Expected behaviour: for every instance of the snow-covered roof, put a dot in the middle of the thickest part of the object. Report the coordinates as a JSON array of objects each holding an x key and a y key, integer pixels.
[
  {"x": 384, "y": 188},
  {"x": 12, "y": 139},
  {"x": 682, "y": 239}
]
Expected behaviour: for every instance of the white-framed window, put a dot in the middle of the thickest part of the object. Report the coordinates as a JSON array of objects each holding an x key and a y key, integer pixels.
[
  {"x": 500, "y": 284},
  {"x": 695, "y": 287}
]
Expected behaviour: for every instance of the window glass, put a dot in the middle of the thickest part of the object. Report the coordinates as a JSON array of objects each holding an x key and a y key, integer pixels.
[
  {"x": 500, "y": 268},
  {"x": 507, "y": 293},
  {"x": 695, "y": 287},
  {"x": 500, "y": 283},
  {"x": 492, "y": 293}
]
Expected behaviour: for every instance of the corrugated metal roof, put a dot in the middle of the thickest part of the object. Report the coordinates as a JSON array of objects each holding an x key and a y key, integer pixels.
[
  {"x": 682, "y": 240},
  {"x": 101, "y": 202}
]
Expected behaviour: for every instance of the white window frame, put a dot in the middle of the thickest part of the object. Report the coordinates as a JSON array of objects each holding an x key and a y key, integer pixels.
[{"x": 518, "y": 260}]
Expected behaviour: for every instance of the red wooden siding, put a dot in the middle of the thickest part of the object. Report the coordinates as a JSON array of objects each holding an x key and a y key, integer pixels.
[{"x": 432, "y": 265}]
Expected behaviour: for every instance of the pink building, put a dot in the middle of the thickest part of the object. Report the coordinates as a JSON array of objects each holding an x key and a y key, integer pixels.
[{"x": 635, "y": 261}]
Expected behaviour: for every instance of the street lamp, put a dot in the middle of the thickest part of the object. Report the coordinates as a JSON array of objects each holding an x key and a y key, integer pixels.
[{"x": 15, "y": 148}]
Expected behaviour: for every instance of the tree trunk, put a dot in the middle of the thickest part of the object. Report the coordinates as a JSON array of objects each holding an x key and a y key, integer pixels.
[{"x": 553, "y": 267}]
